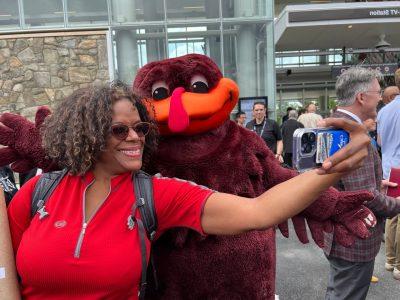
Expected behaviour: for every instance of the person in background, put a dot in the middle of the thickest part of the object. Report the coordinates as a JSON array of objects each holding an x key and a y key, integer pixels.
[
  {"x": 310, "y": 119},
  {"x": 301, "y": 111},
  {"x": 389, "y": 94},
  {"x": 332, "y": 110},
  {"x": 389, "y": 140},
  {"x": 286, "y": 117},
  {"x": 240, "y": 118},
  {"x": 371, "y": 127},
  {"x": 267, "y": 129},
  {"x": 288, "y": 129},
  {"x": 358, "y": 93}
]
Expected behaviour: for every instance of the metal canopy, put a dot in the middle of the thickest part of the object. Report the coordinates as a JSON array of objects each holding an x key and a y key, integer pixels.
[{"x": 337, "y": 25}]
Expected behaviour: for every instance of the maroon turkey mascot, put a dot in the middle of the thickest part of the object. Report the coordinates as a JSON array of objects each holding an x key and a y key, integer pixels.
[{"x": 191, "y": 103}]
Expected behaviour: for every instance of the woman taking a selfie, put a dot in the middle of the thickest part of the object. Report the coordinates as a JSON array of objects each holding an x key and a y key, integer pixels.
[{"x": 80, "y": 245}]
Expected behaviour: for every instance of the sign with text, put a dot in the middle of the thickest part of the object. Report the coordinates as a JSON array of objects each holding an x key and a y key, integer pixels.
[
  {"x": 344, "y": 14},
  {"x": 385, "y": 69}
]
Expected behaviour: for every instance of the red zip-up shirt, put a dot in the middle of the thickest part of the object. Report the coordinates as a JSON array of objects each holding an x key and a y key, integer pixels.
[{"x": 63, "y": 257}]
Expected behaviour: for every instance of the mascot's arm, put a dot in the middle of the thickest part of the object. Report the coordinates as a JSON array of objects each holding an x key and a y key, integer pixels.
[
  {"x": 342, "y": 212},
  {"x": 24, "y": 143}
]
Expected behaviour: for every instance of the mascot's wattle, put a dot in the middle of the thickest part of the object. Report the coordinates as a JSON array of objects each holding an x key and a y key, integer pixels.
[{"x": 191, "y": 102}]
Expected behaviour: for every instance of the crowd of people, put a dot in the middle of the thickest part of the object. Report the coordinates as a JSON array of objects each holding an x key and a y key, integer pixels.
[{"x": 102, "y": 148}]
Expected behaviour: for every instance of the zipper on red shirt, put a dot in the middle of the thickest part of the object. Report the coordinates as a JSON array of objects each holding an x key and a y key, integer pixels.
[{"x": 77, "y": 252}]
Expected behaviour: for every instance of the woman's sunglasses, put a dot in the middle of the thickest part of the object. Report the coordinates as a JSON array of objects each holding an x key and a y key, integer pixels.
[{"x": 121, "y": 131}]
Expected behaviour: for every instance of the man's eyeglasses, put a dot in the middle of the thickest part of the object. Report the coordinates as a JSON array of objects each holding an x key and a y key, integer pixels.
[
  {"x": 121, "y": 131},
  {"x": 380, "y": 92}
]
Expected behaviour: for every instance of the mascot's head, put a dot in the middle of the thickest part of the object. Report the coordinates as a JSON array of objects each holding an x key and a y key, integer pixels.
[{"x": 188, "y": 94}]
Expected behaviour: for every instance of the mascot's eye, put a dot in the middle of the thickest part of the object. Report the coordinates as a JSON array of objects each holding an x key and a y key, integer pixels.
[
  {"x": 199, "y": 84},
  {"x": 160, "y": 93},
  {"x": 159, "y": 90}
]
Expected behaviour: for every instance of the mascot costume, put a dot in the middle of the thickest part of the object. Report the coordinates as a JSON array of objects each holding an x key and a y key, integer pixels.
[{"x": 191, "y": 103}]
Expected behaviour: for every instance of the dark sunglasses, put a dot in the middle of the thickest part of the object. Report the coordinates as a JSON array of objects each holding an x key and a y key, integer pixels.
[{"x": 121, "y": 131}]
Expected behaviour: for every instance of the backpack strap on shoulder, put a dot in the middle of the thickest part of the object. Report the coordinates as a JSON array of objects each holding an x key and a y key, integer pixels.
[
  {"x": 144, "y": 201},
  {"x": 44, "y": 187},
  {"x": 143, "y": 187}
]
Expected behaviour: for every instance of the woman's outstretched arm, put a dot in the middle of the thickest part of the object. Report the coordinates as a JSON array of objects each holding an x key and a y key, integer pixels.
[{"x": 229, "y": 214}]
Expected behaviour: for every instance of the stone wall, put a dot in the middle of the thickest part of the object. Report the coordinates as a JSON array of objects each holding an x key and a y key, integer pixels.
[{"x": 41, "y": 69}]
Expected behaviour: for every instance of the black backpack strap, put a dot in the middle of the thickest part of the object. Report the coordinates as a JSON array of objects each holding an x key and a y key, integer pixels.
[
  {"x": 44, "y": 187},
  {"x": 143, "y": 187},
  {"x": 143, "y": 184}
]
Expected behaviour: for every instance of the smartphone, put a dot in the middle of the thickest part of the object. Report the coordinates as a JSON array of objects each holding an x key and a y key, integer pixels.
[
  {"x": 311, "y": 146},
  {"x": 394, "y": 177}
]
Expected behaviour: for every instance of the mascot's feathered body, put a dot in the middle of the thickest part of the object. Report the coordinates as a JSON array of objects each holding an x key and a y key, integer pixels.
[
  {"x": 191, "y": 102},
  {"x": 228, "y": 159}
]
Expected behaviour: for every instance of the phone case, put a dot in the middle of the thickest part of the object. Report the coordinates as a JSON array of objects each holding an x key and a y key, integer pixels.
[
  {"x": 394, "y": 177},
  {"x": 302, "y": 161},
  {"x": 311, "y": 146}
]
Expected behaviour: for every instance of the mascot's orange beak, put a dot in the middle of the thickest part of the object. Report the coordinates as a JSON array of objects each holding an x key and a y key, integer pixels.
[{"x": 190, "y": 113}]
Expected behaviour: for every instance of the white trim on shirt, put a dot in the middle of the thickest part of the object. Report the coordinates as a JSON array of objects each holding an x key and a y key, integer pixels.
[{"x": 355, "y": 117}]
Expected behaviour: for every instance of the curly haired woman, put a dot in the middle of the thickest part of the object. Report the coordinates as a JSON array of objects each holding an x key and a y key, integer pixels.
[{"x": 83, "y": 248}]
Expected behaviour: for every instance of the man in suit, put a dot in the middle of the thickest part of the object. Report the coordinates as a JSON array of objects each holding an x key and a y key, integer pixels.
[{"x": 358, "y": 93}]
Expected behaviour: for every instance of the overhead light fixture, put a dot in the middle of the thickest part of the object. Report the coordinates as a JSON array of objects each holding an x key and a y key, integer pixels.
[
  {"x": 382, "y": 43},
  {"x": 193, "y": 7},
  {"x": 61, "y": 12},
  {"x": 350, "y": 26}
]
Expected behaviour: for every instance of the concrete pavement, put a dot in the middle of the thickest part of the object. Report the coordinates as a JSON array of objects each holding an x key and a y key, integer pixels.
[{"x": 302, "y": 272}]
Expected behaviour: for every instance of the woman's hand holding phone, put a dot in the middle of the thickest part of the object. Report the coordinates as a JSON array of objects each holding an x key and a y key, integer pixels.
[{"x": 353, "y": 154}]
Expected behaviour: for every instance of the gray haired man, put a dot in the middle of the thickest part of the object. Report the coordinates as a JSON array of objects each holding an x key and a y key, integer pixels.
[{"x": 358, "y": 92}]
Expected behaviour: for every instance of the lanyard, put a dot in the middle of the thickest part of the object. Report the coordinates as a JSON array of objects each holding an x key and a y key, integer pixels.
[{"x": 262, "y": 130}]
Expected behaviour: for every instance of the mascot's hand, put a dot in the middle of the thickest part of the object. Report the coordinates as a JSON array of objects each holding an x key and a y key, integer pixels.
[
  {"x": 24, "y": 144},
  {"x": 317, "y": 229},
  {"x": 353, "y": 224},
  {"x": 341, "y": 212}
]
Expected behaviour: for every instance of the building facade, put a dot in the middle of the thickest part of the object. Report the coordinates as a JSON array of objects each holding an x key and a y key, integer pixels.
[{"x": 48, "y": 48}]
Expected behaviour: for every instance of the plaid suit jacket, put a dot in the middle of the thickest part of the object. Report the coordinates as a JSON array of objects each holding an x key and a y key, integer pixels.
[{"x": 368, "y": 177}]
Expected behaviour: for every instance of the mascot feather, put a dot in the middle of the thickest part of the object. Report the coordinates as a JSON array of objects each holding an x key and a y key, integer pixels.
[{"x": 191, "y": 102}]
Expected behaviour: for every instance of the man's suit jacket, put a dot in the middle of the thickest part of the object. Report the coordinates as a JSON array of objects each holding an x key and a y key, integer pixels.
[{"x": 368, "y": 177}]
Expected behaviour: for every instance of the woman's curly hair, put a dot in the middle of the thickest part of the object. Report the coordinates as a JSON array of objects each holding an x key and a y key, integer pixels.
[{"x": 75, "y": 134}]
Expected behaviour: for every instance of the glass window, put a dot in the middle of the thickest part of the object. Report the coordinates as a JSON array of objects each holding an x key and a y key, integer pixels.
[
  {"x": 137, "y": 11},
  {"x": 43, "y": 13},
  {"x": 310, "y": 60},
  {"x": 243, "y": 8},
  {"x": 291, "y": 61},
  {"x": 135, "y": 47},
  {"x": 245, "y": 57},
  {"x": 293, "y": 103},
  {"x": 185, "y": 40},
  {"x": 9, "y": 16},
  {"x": 192, "y": 9},
  {"x": 334, "y": 59},
  {"x": 87, "y": 12}
]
